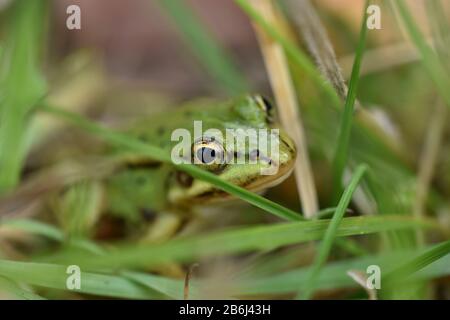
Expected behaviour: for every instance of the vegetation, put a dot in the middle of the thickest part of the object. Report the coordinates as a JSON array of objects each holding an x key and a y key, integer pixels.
[{"x": 368, "y": 174}]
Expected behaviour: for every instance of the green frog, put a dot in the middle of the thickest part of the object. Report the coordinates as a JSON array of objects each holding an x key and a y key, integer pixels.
[
  {"x": 143, "y": 187},
  {"x": 136, "y": 188}
]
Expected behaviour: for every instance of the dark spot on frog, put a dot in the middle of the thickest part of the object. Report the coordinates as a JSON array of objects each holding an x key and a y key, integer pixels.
[
  {"x": 184, "y": 179},
  {"x": 249, "y": 181},
  {"x": 291, "y": 150},
  {"x": 148, "y": 214},
  {"x": 268, "y": 109},
  {"x": 267, "y": 104},
  {"x": 160, "y": 131}
]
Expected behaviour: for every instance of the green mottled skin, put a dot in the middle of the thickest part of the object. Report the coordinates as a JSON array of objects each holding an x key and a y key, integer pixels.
[{"x": 152, "y": 187}]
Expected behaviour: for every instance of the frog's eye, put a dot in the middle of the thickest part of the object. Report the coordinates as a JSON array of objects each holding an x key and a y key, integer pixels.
[
  {"x": 266, "y": 106},
  {"x": 209, "y": 153}
]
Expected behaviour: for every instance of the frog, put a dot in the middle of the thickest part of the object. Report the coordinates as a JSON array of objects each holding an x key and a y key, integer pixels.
[
  {"x": 143, "y": 187},
  {"x": 152, "y": 198}
]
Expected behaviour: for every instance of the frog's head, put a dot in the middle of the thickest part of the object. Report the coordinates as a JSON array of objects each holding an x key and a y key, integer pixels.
[{"x": 238, "y": 161}]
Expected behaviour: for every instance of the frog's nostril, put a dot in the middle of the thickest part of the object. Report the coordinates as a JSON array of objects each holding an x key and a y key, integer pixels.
[{"x": 267, "y": 104}]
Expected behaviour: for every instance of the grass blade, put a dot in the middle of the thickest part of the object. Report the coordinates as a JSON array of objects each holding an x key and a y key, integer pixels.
[
  {"x": 239, "y": 241},
  {"x": 430, "y": 59},
  {"x": 12, "y": 290},
  {"x": 365, "y": 123},
  {"x": 55, "y": 276},
  {"x": 21, "y": 85},
  {"x": 406, "y": 270},
  {"x": 342, "y": 147},
  {"x": 34, "y": 227},
  {"x": 50, "y": 232},
  {"x": 334, "y": 274},
  {"x": 205, "y": 47},
  {"x": 331, "y": 232}
]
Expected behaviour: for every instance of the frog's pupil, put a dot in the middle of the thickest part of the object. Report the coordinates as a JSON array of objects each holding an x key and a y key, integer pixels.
[{"x": 206, "y": 155}]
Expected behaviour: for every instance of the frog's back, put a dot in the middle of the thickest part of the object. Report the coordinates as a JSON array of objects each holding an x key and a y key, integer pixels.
[{"x": 241, "y": 112}]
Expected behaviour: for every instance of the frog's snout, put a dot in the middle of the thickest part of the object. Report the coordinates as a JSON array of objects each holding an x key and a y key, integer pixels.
[{"x": 283, "y": 164}]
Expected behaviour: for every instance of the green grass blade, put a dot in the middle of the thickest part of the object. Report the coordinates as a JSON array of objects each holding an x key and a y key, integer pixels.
[
  {"x": 169, "y": 287},
  {"x": 406, "y": 270},
  {"x": 203, "y": 44},
  {"x": 430, "y": 59},
  {"x": 365, "y": 124},
  {"x": 21, "y": 85},
  {"x": 342, "y": 147},
  {"x": 34, "y": 227},
  {"x": 156, "y": 153},
  {"x": 50, "y": 232},
  {"x": 331, "y": 232},
  {"x": 239, "y": 241},
  {"x": 334, "y": 274},
  {"x": 55, "y": 276},
  {"x": 14, "y": 291}
]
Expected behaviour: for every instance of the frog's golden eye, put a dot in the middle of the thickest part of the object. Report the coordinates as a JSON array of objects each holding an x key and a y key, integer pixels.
[
  {"x": 266, "y": 106},
  {"x": 209, "y": 153}
]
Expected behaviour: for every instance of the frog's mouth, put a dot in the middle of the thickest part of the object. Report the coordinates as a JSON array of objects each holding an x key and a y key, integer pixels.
[
  {"x": 245, "y": 176},
  {"x": 202, "y": 192}
]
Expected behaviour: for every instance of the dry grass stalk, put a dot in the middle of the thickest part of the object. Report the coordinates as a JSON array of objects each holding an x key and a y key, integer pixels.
[
  {"x": 309, "y": 26},
  {"x": 280, "y": 79},
  {"x": 360, "y": 278}
]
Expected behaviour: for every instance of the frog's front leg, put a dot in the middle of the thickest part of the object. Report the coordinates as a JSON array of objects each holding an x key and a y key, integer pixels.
[
  {"x": 164, "y": 226},
  {"x": 138, "y": 194}
]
